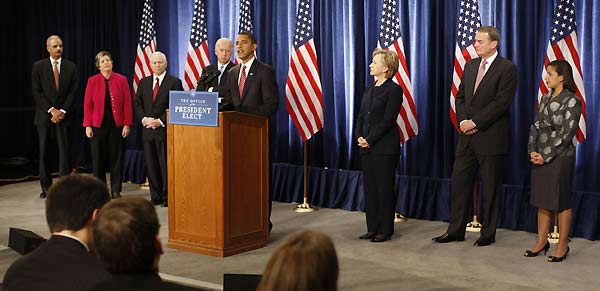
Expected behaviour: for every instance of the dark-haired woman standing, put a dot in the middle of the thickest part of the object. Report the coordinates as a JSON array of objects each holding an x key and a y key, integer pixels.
[
  {"x": 552, "y": 152},
  {"x": 107, "y": 117}
]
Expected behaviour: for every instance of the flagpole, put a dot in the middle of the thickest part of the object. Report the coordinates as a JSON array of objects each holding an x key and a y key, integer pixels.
[
  {"x": 305, "y": 206},
  {"x": 474, "y": 226}
]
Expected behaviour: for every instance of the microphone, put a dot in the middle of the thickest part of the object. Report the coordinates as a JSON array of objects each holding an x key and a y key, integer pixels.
[
  {"x": 209, "y": 76},
  {"x": 205, "y": 78}
]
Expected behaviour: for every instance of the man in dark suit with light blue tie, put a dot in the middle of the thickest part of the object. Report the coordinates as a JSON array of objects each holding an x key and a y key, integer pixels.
[
  {"x": 483, "y": 101},
  {"x": 215, "y": 75},
  {"x": 53, "y": 86}
]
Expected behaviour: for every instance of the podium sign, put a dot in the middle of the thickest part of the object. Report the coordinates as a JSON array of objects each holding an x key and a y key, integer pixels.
[{"x": 194, "y": 108}]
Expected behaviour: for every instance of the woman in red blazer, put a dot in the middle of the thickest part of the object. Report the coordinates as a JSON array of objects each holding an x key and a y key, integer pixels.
[{"x": 107, "y": 117}]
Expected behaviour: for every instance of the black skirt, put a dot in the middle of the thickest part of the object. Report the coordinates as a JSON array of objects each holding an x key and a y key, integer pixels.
[{"x": 551, "y": 184}]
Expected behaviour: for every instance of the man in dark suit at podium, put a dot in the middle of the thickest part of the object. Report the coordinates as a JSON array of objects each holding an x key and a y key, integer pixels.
[
  {"x": 151, "y": 103},
  {"x": 483, "y": 101},
  {"x": 214, "y": 75},
  {"x": 53, "y": 85},
  {"x": 251, "y": 86},
  {"x": 64, "y": 262}
]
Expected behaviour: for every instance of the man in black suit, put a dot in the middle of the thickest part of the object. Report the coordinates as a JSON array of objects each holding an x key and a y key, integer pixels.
[
  {"x": 484, "y": 97},
  {"x": 151, "y": 103},
  {"x": 127, "y": 242},
  {"x": 251, "y": 86},
  {"x": 64, "y": 262},
  {"x": 53, "y": 85},
  {"x": 216, "y": 74}
]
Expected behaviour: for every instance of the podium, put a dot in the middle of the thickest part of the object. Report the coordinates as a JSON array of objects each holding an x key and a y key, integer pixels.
[{"x": 218, "y": 185}]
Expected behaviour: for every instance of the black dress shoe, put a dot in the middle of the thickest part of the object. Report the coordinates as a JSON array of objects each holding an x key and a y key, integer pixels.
[
  {"x": 368, "y": 235},
  {"x": 381, "y": 238},
  {"x": 446, "y": 238},
  {"x": 481, "y": 242},
  {"x": 157, "y": 202},
  {"x": 165, "y": 204},
  {"x": 530, "y": 254},
  {"x": 115, "y": 195},
  {"x": 553, "y": 259},
  {"x": 43, "y": 194}
]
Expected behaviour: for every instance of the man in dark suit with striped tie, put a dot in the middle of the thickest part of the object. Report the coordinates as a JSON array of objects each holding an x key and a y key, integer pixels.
[
  {"x": 151, "y": 103},
  {"x": 53, "y": 86},
  {"x": 252, "y": 87}
]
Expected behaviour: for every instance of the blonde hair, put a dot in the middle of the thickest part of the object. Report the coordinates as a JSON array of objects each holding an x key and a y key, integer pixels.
[
  {"x": 390, "y": 60},
  {"x": 305, "y": 261}
]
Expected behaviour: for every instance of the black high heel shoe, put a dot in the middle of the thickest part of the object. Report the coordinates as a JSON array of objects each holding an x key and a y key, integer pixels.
[
  {"x": 530, "y": 254},
  {"x": 381, "y": 238},
  {"x": 368, "y": 235},
  {"x": 554, "y": 259}
]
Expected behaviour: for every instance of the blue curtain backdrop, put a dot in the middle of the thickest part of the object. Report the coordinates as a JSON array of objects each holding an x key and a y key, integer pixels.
[{"x": 345, "y": 35}]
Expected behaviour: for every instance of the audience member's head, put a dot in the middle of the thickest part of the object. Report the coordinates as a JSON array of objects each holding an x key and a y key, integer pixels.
[
  {"x": 126, "y": 236},
  {"x": 72, "y": 203},
  {"x": 305, "y": 261}
]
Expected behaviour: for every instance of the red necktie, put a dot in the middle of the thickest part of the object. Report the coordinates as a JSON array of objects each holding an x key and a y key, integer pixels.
[
  {"x": 242, "y": 81},
  {"x": 155, "y": 91},
  {"x": 480, "y": 75},
  {"x": 55, "y": 70}
]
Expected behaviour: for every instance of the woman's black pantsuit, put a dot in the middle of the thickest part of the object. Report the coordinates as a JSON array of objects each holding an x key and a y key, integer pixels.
[{"x": 376, "y": 123}]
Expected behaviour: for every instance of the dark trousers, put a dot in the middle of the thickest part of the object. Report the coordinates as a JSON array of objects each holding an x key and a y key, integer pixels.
[
  {"x": 107, "y": 153},
  {"x": 464, "y": 175},
  {"x": 53, "y": 133},
  {"x": 379, "y": 179},
  {"x": 155, "y": 157}
]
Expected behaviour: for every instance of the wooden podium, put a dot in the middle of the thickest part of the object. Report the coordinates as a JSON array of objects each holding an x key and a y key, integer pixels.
[{"x": 218, "y": 185}]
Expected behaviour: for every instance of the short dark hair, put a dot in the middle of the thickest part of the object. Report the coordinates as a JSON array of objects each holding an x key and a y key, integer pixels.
[
  {"x": 72, "y": 200},
  {"x": 101, "y": 54},
  {"x": 250, "y": 35},
  {"x": 305, "y": 260},
  {"x": 125, "y": 233},
  {"x": 563, "y": 68},
  {"x": 492, "y": 32}
]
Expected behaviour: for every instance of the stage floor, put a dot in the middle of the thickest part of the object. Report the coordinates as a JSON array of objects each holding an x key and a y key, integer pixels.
[{"x": 410, "y": 261}]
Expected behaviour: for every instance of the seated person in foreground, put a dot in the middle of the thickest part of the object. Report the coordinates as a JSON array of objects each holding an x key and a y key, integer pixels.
[
  {"x": 64, "y": 262},
  {"x": 305, "y": 261},
  {"x": 127, "y": 242}
]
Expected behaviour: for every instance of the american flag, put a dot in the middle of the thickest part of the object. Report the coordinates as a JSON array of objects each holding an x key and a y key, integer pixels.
[
  {"x": 563, "y": 46},
  {"x": 245, "y": 21},
  {"x": 469, "y": 22},
  {"x": 146, "y": 45},
  {"x": 390, "y": 39},
  {"x": 245, "y": 17},
  {"x": 197, "y": 56},
  {"x": 304, "y": 100}
]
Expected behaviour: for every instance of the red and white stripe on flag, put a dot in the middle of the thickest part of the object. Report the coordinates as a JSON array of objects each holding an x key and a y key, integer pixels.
[
  {"x": 469, "y": 21},
  {"x": 304, "y": 97},
  {"x": 146, "y": 45},
  {"x": 197, "y": 55},
  {"x": 563, "y": 46},
  {"x": 391, "y": 39}
]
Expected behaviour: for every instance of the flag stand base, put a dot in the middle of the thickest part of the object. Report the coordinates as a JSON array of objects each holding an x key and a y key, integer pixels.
[
  {"x": 305, "y": 207},
  {"x": 474, "y": 226},
  {"x": 399, "y": 218},
  {"x": 145, "y": 185}
]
